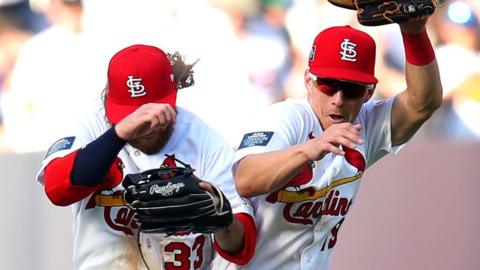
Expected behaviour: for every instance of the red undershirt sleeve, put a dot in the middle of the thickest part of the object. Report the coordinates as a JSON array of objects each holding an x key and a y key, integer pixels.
[
  {"x": 62, "y": 192},
  {"x": 245, "y": 255}
]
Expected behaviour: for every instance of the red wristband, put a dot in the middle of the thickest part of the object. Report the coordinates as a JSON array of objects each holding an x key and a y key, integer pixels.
[{"x": 418, "y": 48}]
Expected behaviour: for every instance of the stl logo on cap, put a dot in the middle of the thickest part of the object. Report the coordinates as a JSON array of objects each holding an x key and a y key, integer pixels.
[
  {"x": 348, "y": 50},
  {"x": 136, "y": 87}
]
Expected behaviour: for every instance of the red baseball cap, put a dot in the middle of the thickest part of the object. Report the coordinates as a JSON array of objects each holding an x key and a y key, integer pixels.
[
  {"x": 343, "y": 53},
  {"x": 137, "y": 75}
]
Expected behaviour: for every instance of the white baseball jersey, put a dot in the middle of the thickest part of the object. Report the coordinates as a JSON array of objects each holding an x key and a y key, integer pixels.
[
  {"x": 298, "y": 225},
  {"x": 105, "y": 232}
]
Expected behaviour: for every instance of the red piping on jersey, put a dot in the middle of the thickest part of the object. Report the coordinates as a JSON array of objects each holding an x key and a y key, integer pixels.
[
  {"x": 245, "y": 255},
  {"x": 62, "y": 192}
]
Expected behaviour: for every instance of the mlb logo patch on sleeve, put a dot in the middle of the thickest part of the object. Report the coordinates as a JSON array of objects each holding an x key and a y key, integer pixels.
[
  {"x": 62, "y": 144},
  {"x": 260, "y": 138}
]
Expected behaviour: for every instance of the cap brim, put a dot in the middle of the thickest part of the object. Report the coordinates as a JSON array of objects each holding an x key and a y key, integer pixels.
[
  {"x": 344, "y": 74},
  {"x": 116, "y": 112}
]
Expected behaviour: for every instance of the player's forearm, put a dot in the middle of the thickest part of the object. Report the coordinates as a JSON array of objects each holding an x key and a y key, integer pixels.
[
  {"x": 94, "y": 161},
  {"x": 242, "y": 250},
  {"x": 424, "y": 88},
  {"x": 267, "y": 172},
  {"x": 422, "y": 76},
  {"x": 231, "y": 238}
]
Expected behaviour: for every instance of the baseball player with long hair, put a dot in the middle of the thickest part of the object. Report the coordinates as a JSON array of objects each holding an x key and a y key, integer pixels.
[
  {"x": 139, "y": 128},
  {"x": 302, "y": 162}
]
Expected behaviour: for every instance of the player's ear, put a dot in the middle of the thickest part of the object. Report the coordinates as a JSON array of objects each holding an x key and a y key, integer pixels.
[
  {"x": 307, "y": 80},
  {"x": 370, "y": 94},
  {"x": 306, "y": 77}
]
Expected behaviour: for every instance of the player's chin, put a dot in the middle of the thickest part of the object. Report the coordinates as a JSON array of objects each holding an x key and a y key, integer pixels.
[
  {"x": 151, "y": 145},
  {"x": 148, "y": 149}
]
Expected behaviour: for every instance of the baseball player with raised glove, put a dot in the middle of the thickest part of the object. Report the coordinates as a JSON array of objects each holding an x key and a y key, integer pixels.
[
  {"x": 380, "y": 12},
  {"x": 172, "y": 200},
  {"x": 164, "y": 214},
  {"x": 302, "y": 161}
]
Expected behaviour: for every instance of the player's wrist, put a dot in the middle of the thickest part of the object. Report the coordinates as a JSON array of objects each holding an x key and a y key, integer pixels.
[
  {"x": 119, "y": 133},
  {"x": 412, "y": 27},
  {"x": 418, "y": 48},
  {"x": 305, "y": 152}
]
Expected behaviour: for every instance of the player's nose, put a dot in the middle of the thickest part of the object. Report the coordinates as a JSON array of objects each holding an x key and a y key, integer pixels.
[{"x": 338, "y": 98}]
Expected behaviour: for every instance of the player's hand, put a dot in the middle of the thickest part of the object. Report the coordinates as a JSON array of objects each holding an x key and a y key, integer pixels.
[
  {"x": 206, "y": 186},
  {"x": 415, "y": 25},
  {"x": 143, "y": 121},
  {"x": 345, "y": 134}
]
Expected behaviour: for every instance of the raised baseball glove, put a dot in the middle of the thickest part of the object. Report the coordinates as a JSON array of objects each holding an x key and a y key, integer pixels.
[
  {"x": 169, "y": 200},
  {"x": 380, "y": 12}
]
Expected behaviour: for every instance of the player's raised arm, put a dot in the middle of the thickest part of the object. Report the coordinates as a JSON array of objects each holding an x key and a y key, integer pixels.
[{"x": 423, "y": 95}]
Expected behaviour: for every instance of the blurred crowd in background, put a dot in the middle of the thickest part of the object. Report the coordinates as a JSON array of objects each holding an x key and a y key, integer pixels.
[{"x": 54, "y": 56}]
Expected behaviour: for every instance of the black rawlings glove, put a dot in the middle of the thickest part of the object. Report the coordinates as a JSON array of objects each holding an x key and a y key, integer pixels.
[
  {"x": 169, "y": 200},
  {"x": 380, "y": 12}
]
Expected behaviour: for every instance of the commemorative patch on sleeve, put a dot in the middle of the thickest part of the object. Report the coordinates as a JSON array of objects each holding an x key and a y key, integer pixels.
[
  {"x": 62, "y": 144},
  {"x": 260, "y": 138}
]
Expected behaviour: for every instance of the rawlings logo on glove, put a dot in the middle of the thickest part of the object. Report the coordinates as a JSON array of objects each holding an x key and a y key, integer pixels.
[
  {"x": 380, "y": 12},
  {"x": 166, "y": 190}
]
